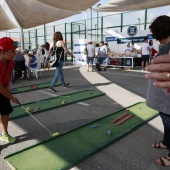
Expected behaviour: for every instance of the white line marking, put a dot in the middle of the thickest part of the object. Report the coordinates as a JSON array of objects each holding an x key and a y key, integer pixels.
[
  {"x": 84, "y": 104},
  {"x": 137, "y": 71},
  {"x": 51, "y": 94},
  {"x": 125, "y": 74}
]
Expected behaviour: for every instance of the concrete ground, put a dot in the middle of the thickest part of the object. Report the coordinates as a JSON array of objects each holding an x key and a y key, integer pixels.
[{"x": 122, "y": 88}]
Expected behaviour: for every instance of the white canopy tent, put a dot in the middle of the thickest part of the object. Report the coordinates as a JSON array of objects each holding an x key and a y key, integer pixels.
[
  {"x": 71, "y": 5},
  {"x": 129, "y": 5},
  {"x": 5, "y": 22},
  {"x": 33, "y": 13}
]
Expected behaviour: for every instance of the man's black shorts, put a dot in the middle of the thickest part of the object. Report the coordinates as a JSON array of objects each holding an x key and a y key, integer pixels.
[
  {"x": 5, "y": 105},
  {"x": 145, "y": 58}
]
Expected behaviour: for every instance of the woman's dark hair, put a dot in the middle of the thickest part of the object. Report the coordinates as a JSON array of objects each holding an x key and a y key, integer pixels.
[
  {"x": 102, "y": 42},
  {"x": 47, "y": 46},
  {"x": 160, "y": 27},
  {"x": 150, "y": 42},
  {"x": 97, "y": 45},
  {"x": 57, "y": 36}
]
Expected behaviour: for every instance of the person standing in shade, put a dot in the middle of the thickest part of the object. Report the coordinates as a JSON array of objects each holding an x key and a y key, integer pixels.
[
  {"x": 90, "y": 56},
  {"x": 145, "y": 53},
  {"x": 103, "y": 53},
  {"x": 7, "y": 53},
  {"x": 97, "y": 55},
  {"x": 60, "y": 45},
  {"x": 158, "y": 98},
  {"x": 153, "y": 51}
]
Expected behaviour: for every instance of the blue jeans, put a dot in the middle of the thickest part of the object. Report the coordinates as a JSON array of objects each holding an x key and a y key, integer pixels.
[
  {"x": 58, "y": 73},
  {"x": 101, "y": 59},
  {"x": 166, "y": 123}
]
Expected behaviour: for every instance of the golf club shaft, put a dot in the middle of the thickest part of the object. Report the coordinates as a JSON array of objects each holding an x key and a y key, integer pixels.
[{"x": 35, "y": 118}]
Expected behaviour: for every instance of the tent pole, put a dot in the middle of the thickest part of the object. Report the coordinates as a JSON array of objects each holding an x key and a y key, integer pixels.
[
  {"x": 21, "y": 39},
  {"x": 86, "y": 26}
]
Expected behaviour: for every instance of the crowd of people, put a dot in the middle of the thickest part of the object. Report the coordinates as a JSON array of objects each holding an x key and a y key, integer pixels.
[
  {"x": 99, "y": 53},
  {"x": 158, "y": 93}
]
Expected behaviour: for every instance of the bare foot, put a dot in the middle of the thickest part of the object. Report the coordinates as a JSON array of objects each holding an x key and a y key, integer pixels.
[
  {"x": 163, "y": 161},
  {"x": 159, "y": 145}
]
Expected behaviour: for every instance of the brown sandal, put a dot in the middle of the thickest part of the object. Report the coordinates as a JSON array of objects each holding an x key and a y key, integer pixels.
[
  {"x": 164, "y": 161},
  {"x": 159, "y": 145}
]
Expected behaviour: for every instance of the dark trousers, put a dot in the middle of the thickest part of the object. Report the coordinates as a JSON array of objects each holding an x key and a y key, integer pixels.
[{"x": 166, "y": 123}]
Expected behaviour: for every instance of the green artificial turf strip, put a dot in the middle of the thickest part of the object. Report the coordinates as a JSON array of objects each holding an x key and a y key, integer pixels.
[
  {"x": 27, "y": 88},
  {"x": 68, "y": 149},
  {"x": 55, "y": 102}
]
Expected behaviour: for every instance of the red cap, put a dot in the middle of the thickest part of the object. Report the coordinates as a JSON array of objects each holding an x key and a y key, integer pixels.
[{"x": 7, "y": 43}]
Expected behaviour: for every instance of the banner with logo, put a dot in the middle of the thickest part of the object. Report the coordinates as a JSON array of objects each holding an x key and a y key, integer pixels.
[
  {"x": 121, "y": 61},
  {"x": 78, "y": 51},
  {"x": 130, "y": 39},
  {"x": 110, "y": 38}
]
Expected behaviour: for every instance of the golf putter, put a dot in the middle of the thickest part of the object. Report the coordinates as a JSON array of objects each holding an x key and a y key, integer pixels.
[{"x": 52, "y": 134}]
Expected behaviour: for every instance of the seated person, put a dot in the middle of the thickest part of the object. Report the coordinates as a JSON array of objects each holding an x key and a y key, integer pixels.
[
  {"x": 32, "y": 60},
  {"x": 19, "y": 62}
]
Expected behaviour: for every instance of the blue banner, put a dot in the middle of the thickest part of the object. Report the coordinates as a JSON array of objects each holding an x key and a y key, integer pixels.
[
  {"x": 109, "y": 39},
  {"x": 149, "y": 36},
  {"x": 80, "y": 44},
  {"x": 129, "y": 40}
]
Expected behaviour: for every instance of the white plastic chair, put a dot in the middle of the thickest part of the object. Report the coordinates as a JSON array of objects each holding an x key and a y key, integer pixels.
[{"x": 36, "y": 69}]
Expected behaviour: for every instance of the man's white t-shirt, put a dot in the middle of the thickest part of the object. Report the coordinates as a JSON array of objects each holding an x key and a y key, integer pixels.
[
  {"x": 90, "y": 50},
  {"x": 145, "y": 49},
  {"x": 128, "y": 50},
  {"x": 103, "y": 51}
]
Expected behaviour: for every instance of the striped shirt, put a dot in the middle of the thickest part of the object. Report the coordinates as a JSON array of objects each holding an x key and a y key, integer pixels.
[{"x": 157, "y": 98}]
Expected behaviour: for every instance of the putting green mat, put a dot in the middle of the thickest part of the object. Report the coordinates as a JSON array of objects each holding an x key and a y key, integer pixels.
[
  {"x": 32, "y": 87},
  {"x": 55, "y": 102},
  {"x": 68, "y": 149}
]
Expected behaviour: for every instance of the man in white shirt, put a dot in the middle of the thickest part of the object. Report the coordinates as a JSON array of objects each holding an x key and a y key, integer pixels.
[
  {"x": 90, "y": 55},
  {"x": 145, "y": 52},
  {"x": 102, "y": 54}
]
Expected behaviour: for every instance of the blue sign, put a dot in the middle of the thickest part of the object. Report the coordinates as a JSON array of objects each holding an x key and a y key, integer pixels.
[
  {"x": 129, "y": 40},
  {"x": 149, "y": 36},
  {"x": 132, "y": 30},
  {"x": 109, "y": 39},
  {"x": 80, "y": 44},
  {"x": 78, "y": 52},
  {"x": 128, "y": 62}
]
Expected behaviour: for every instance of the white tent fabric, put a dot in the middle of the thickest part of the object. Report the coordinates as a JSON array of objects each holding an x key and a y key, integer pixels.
[
  {"x": 71, "y": 5},
  {"x": 31, "y": 13},
  {"x": 5, "y": 22},
  {"x": 129, "y": 5}
]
